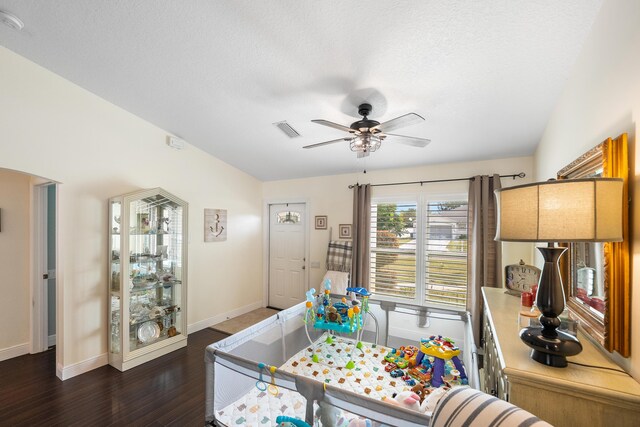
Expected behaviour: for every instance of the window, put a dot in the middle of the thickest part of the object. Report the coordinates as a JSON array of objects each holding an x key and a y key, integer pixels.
[
  {"x": 288, "y": 217},
  {"x": 420, "y": 242}
]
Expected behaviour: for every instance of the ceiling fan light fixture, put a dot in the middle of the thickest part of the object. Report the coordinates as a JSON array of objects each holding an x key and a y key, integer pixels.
[
  {"x": 365, "y": 144},
  {"x": 366, "y": 135}
]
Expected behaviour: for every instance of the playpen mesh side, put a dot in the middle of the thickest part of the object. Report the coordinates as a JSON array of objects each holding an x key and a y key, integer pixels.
[
  {"x": 232, "y": 363},
  {"x": 272, "y": 342}
]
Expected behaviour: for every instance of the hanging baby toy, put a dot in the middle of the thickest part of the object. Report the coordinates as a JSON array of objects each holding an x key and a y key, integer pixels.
[{"x": 338, "y": 317}]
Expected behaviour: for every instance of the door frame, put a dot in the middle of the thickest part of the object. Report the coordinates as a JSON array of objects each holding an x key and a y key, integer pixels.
[
  {"x": 39, "y": 334},
  {"x": 265, "y": 242}
]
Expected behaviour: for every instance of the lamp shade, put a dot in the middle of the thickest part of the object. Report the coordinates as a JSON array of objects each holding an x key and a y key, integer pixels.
[{"x": 571, "y": 210}]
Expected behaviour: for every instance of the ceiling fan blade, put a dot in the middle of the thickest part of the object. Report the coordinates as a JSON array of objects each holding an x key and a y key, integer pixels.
[
  {"x": 402, "y": 121},
  {"x": 407, "y": 140},
  {"x": 332, "y": 125},
  {"x": 333, "y": 141}
]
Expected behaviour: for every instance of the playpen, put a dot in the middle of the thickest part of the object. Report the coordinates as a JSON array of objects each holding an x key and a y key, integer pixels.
[{"x": 266, "y": 371}]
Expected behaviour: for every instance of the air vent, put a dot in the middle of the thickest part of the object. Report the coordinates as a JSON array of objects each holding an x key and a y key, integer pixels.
[{"x": 287, "y": 129}]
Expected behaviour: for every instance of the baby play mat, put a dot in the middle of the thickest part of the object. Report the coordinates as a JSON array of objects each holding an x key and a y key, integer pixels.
[
  {"x": 367, "y": 378},
  {"x": 260, "y": 408}
]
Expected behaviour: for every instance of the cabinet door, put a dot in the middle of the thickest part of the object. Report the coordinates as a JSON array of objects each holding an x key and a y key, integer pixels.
[
  {"x": 155, "y": 271},
  {"x": 490, "y": 361},
  {"x": 115, "y": 273}
]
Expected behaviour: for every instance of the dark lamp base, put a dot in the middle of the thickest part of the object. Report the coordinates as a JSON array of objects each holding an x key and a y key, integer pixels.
[{"x": 550, "y": 351}]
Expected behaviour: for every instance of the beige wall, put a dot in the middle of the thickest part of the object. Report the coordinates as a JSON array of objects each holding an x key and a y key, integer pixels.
[
  {"x": 330, "y": 195},
  {"x": 15, "y": 190},
  {"x": 602, "y": 99},
  {"x": 54, "y": 129}
]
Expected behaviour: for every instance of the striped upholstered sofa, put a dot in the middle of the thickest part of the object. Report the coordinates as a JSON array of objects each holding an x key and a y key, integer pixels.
[{"x": 464, "y": 406}]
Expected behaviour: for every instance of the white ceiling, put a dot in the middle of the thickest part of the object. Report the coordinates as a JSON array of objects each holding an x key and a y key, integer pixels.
[{"x": 485, "y": 74}]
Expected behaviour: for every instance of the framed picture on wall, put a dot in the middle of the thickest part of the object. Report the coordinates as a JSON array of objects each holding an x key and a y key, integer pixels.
[
  {"x": 321, "y": 222},
  {"x": 215, "y": 225},
  {"x": 344, "y": 231}
]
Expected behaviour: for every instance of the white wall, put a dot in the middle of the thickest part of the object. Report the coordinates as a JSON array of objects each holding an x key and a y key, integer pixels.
[
  {"x": 330, "y": 195},
  {"x": 15, "y": 202},
  {"x": 55, "y": 129},
  {"x": 602, "y": 99}
]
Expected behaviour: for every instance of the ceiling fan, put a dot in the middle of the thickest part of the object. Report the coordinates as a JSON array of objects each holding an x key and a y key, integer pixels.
[{"x": 366, "y": 135}]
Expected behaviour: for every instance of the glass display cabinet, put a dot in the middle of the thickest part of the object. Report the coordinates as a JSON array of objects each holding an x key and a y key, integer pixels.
[{"x": 148, "y": 276}]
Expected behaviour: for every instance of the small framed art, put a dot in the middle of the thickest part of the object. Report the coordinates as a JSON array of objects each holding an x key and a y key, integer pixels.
[
  {"x": 344, "y": 231},
  {"x": 321, "y": 222},
  {"x": 215, "y": 225}
]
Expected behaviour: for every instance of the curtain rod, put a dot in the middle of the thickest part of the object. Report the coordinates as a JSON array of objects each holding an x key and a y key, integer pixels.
[{"x": 513, "y": 175}]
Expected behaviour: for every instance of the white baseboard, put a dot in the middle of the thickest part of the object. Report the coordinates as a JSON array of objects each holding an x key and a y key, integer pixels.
[
  {"x": 198, "y": 326},
  {"x": 70, "y": 371},
  {"x": 52, "y": 340},
  {"x": 14, "y": 351}
]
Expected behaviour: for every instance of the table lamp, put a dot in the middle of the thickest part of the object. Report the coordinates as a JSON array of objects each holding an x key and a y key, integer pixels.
[{"x": 571, "y": 210}]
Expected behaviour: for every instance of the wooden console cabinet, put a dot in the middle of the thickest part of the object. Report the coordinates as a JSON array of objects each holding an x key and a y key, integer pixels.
[{"x": 571, "y": 396}]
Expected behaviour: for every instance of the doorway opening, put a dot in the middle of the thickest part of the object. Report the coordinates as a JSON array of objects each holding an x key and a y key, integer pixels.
[{"x": 43, "y": 287}]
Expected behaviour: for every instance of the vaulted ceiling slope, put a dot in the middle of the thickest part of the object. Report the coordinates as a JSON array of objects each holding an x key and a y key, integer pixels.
[{"x": 484, "y": 74}]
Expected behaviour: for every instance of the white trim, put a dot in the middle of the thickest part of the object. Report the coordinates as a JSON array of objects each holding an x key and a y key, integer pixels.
[
  {"x": 203, "y": 324},
  {"x": 70, "y": 371},
  {"x": 14, "y": 351},
  {"x": 52, "y": 340}
]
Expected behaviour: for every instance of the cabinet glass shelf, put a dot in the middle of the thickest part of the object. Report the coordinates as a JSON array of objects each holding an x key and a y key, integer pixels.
[
  {"x": 134, "y": 322},
  {"x": 148, "y": 268},
  {"x": 153, "y": 285}
]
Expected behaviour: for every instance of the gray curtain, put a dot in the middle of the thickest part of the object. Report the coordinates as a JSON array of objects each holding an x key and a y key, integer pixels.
[
  {"x": 361, "y": 230},
  {"x": 484, "y": 254}
]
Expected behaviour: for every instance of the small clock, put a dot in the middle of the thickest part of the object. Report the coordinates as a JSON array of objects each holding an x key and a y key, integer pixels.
[{"x": 521, "y": 277}]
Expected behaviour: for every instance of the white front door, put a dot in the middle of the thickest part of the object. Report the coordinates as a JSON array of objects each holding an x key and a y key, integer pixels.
[{"x": 287, "y": 225}]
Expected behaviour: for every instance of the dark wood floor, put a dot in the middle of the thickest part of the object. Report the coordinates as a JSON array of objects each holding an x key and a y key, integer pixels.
[{"x": 168, "y": 391}]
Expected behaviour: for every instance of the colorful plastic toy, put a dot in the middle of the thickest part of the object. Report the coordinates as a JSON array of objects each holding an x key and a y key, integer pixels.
[
  {"x": 404, "y": 356},
  {"x": 284, "y": 421},
  {"x": 441, "y": 349},
  {"x": 338, "y": 317},
  {"x": 409, "y": 381},
  {"x": 396, "y": 373},
  {"x": 429, "y": 363},
  {"x": 421, "y": 373}
]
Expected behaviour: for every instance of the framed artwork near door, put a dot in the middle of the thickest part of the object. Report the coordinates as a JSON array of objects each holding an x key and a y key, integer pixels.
[
  {"x": 344, "y": 231},
  {"x": 321, "y": 222}
]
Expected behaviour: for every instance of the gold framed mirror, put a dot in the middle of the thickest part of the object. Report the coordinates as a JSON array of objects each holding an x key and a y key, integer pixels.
[{"x": 596, "y": 275}]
